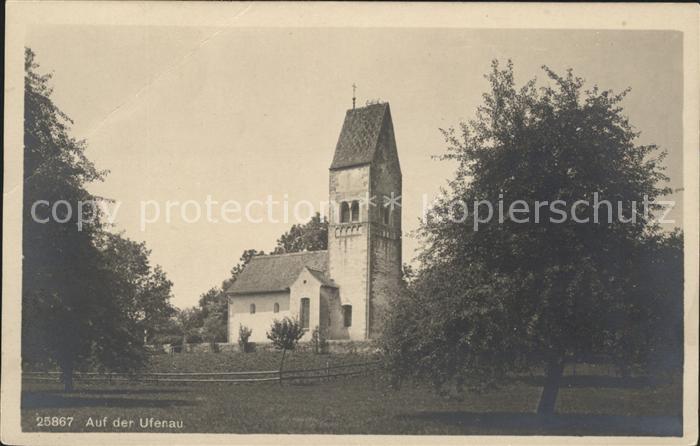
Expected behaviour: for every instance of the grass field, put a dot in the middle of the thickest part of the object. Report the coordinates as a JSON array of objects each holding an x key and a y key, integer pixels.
[{"x": 593, "y": 403}]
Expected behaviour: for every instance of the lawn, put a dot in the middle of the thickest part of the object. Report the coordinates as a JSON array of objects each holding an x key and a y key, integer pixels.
[{"x": 593, "y": 402}]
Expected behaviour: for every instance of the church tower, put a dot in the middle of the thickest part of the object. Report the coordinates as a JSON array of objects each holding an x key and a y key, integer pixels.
[{"x": 364, "y": 233}]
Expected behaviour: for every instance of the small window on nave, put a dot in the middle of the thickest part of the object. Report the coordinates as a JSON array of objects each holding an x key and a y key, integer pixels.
[
  {"x": 252, "y": 308},
  {"x": 276, "y": 308}
]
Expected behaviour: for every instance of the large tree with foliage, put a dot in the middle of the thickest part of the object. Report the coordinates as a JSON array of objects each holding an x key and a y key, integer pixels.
[
  {"x": 310, "y": 236},
  {"x": 88, "y": 296},
  {"x": 511, "y": 295},
  {"x": 144, "y": 290}
]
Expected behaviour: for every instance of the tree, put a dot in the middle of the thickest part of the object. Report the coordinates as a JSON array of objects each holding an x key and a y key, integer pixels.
[
  {"x": 246, "y": 256},
  {"x": 191, "y": 321},
  {"x": 145, "y": 291},
  {"x": 660, "y": 289},
  {"x": 154, "y": 301},
  {"x": 213, "y": 310},
  {"x": 213, "y": 330},
  {"x": 55, "y": 168},
  {"x": 135, "y": 303},
  {"x": 504, "y": 296},
  {"x": 87, "y": 295},
  {"x": 311, "y": 236},
  {"x": 285, "y": 335},
  {"x": 171, "y": 332}
]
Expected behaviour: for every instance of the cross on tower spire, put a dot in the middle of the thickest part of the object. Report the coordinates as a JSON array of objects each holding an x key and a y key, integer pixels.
[{"x": 353, "y": 95}]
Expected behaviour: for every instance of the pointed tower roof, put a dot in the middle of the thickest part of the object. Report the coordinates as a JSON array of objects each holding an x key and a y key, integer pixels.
[{"x": 360, "y": 135}]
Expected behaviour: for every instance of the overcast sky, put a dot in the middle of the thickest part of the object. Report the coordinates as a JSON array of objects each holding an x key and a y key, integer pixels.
[{"x": 180, "y": 113}]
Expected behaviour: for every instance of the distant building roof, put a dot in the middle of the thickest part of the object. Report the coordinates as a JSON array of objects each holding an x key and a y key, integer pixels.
[
  {"x": 359, "y": 136},
  {"x": 277, "y": 272}
]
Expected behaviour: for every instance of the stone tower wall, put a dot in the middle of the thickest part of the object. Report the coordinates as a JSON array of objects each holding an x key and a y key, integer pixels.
[
  {"x": 385, "y": 239},
  {"x": 348, "y": 254}
]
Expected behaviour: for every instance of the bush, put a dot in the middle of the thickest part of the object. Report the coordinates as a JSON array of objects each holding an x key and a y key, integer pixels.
[
  {"x": 194, "y": 338},
  {"x": 243, "y": 337},
  {"x": 176, "y": 344},
  {"x": 169, "y": 339},
  {"x": 285, "y": 334}
]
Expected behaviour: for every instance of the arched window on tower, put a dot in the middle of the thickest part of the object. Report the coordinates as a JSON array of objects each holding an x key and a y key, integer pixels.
[
  {"x": 344, "y": 212},
  {"x": 355, "y": 211},
  {"x": 276, "y": 308}
]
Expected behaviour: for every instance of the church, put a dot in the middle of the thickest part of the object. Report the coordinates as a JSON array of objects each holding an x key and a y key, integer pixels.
[{"x": 344, "y": 290}]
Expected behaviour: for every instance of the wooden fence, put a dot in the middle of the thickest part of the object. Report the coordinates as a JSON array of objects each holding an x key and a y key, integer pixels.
[{"x": 329, "y": 371}]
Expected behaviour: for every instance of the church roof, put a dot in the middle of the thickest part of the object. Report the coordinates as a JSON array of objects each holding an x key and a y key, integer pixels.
[
  {"x": 360, "y": 136},
  {"x": 321, "y": 277},
  {"x": 272, "y": 273}
]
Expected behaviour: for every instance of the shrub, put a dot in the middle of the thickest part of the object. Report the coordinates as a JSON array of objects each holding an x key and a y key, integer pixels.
[
  {"x": 176, "y": 344},
  {"x": 194, "y": 338},
  {"x": 285, "y": 334},
  {"x": 243, "y": 337},
  {"x": 169, "y": 339}
]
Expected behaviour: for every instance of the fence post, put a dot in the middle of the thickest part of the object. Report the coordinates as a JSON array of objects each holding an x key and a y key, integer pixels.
[{"x": 328, "y": 368}]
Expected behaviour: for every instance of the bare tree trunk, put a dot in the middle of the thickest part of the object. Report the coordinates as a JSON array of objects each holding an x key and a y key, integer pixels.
[
  {"x": 552, "y": 378},
  {"x": 284, "y": 351}
]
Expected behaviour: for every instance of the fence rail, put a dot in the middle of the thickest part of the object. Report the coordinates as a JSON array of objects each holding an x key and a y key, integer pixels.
[
  {"x": 261, "y": 372},
  {"x": 186, "y": 377},
  {"x": 332, "y": 367}
]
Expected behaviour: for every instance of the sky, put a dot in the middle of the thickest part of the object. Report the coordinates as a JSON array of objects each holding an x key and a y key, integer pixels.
[{"x": 185, "y": 113}]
